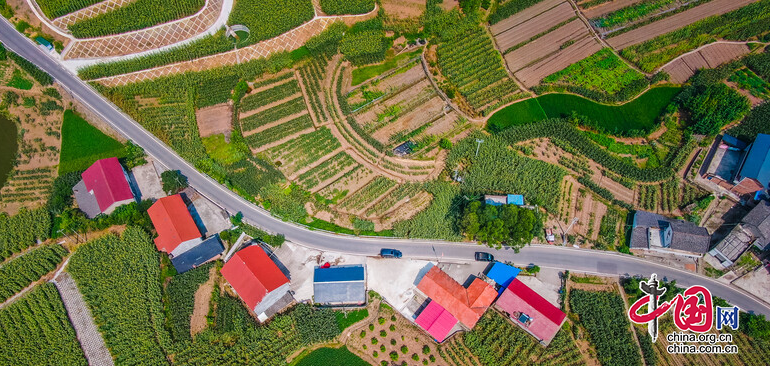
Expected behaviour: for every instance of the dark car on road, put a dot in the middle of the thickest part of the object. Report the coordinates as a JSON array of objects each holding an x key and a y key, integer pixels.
[
  {"x": 390, "y": 253},
  {"x": 484, "y": 257}
]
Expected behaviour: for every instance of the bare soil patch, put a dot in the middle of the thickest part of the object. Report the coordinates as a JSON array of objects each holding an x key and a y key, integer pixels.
[
  {"x": 546, "y": 45},
  {"x": 215, "y": 119},
  {"x": 404, "y": 9},
  {"x": 674, "y": 22},
  {"x": 605, "y": 8},
  {"x": 202, "y": 301},
  {"x": 412, "y": 120},
  {"x": 534, "y": 26},
  {"x": 709, "y": 56}
]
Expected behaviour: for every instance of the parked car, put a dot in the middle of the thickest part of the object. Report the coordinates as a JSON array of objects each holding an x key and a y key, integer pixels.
[
  {"x": 390, "y": 253},
  {"x": 484, "y": 257},
  {"x": 549, "y": 237}
]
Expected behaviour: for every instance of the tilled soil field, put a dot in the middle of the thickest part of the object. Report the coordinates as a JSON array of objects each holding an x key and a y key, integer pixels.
[
  {"x": 531, "y": 75},
  {"x": 545, "y": 45},
  {"x": 411, "y": 120},
  {"x": 534, "y": 26},
  {"x": 524, "y": 15},
  {"x": 710, "y": 56},
  {"x": 605, "y": 8},
  {"x": 674, "y": 22}
]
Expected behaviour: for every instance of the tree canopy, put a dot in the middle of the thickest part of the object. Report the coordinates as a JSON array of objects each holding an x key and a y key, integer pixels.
[{"x": 495, "y": 225}]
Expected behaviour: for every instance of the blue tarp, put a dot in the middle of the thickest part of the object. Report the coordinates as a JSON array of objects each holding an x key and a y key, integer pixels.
[
  {"x": 502, "y": 274},
  {"x": 339, "y": 274},
  {"x": 198, "y": 255},
  {"x": 516, "y": 199}
]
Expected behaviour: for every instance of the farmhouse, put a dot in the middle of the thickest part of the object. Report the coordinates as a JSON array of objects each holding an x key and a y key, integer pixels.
[
  {"x": 738, "y": 167},
  {"x": 176, "y": 229},
  {"x": 258, "y": 281},
  {"x": 467, "y": 305},
  {"x": 533, "y": 313},
  {"x": 753, "y": 229},
  {"x": 103, "y": 188},
  {"x": 208, "y": 250},
  {"x": 654, "y": 232},
  {"x": 499, "y": 200},
  {"x": 340, "y": 285}
]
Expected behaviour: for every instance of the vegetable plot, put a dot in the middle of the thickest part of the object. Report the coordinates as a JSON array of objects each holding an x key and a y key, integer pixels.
[{"x": 135, "y": 15}]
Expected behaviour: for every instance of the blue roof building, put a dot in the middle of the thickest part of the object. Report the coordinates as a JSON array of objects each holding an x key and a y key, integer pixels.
[
  {"x": 340, "y": 285},
  {"x": 499, "y": 200},
  {"x": 516, "y": 199},
  {"x": 207, "y": 250},
  {"x": 502, "y": 274},
  {"x": 756, "y": 165}
]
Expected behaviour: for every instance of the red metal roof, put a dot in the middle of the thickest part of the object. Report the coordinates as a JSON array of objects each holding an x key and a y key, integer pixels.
[
  {"x": 436, "y": 320},
  {"x": 173, "y": 223},
  {"x": 467, "y": 305},
  {"x": 253, "y": 274},
  {"x": 546, "y": 317},
  {"x": 107, "y": 180}
]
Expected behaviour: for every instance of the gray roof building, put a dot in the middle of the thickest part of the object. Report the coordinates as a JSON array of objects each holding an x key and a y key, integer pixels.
[
  {"x": 758, "y": 223},
  {"x": 754, "y": 228},
  {"x": 656, "y": 232},
  {"x": 86, "y": 201},
  {"x": 340, "y": 285}
]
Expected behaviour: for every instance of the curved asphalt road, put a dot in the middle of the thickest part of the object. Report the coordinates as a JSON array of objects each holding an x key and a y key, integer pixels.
[{"x": 578, "y": 260}]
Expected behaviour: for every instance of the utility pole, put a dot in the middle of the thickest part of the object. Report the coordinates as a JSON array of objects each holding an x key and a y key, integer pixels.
[{"x": 478, "y": 142}]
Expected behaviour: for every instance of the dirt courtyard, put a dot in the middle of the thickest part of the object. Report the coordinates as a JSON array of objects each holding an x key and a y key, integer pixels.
[{"x": 215, "y": 119}]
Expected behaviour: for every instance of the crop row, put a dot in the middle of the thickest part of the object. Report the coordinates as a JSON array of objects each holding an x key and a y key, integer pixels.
[
  {"x": 368, "y": 194},
  {"x": 279, "y": 132},
  {"x": 135, "y": 15},
  {"x": 181, "y": 298},
  {"x": 292, "y": 107},
  {"x": 329, "y": 168},
  {"x": 274, "y": 94},
  {"x": 313, "y": 74},
  {"x": 56, "y": 8},
  {"x": 337, "y": 189},
  {"x": 23, "y": 230},
  {"x": 388, "y": 202},
  {"x": 305, "y": 149},
  {"x": 218, "y": 89},
  {"x": 648, "y": 197},
  {"x": 252, "y": 175},
  {"x": 608, "y": 228},
  {"x": 20, "y": 272}
]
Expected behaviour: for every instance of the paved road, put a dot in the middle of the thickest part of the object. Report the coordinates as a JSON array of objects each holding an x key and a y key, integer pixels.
[{"x": 573, "y": 259}]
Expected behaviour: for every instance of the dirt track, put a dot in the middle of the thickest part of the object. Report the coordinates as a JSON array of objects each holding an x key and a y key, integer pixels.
[{"x": 674, "y": 22}]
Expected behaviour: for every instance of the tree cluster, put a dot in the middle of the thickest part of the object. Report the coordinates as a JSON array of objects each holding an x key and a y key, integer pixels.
[{"x": 494, "y": 225}]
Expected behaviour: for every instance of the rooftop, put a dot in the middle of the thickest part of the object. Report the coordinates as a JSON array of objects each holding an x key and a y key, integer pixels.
[
  {"x": 436, "y": 320},
  {"x": 467, "y": 305},
  {"x": 339, "y": 285},
  {"x": 198, "y": 255},
  {"x": 107, "y": 180},
  {"x": 757, "y": 163},
  {"x": 173, "y": 223},
  {"x": 252, "y": 274},
  {"x": 520, "y": 302},
  {"x": 686, "y": 236}
]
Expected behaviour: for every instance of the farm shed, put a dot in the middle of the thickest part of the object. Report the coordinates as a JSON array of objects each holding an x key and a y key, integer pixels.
[
  {"x": 502, "y": 274},
  {"x": 258, "y": 281},
  {"x": 654, "y": 232},
  {"x": 104, "y": 187},
  {"x": 340, "y": 285},
  {"x": 177, "y": 232},
  {"x": 756, "y": 166},
  {"x": 532, "y": 312},
  {"x": 466, "y": 304},
  {"x": 499, "y": 200},
  {"x": 404, "y": 149},
  {"x": 738, "y": 167},
  {"x": 207, "y": 251},
  {"x": 753, "y": 229},
  {"x": 436, "y": 320}
]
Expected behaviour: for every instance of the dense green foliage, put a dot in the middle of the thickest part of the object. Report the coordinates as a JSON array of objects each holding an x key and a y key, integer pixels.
[
  {"x": 20, "y": 272},
  {"x": 342, "y": 7},
  {"x": 645, "y": 343},
  {"x": 348, "y": 318},
  {"x": 181, "y": 297},
  {"x": 332, "y": 356},
  {"x": 475, "y": 70},
  {"x": 439, "y": 220},
  {"x": 173, "y": 181},
  {"x": 365, "y": 43},
  {"x": 60, "y": 196},
  {"x": 498, "y": 169},
  {"x": 756, "y": 122},
  {"x": 39, "y": 75},
  {"x": 748, "y": 80},
  {"x": 630, "y": 13},
  {"x": 712, "y": 106},
  {"x": 269, "y": 18},
  {"x": 119, "y": 280},
  {"x": 83, "y": 144},
  {"x": 636, "y": 118},
  {"x": 36, "y": 331},
  {"x": 508, "y": 224},
  {"x": 509, "y": 8},
  {"x": 22, "y": 230},
  {"x": 740, "y": 24},
  {"x": 760, "y": 63},
  {"x": 602, "y": 76},
  {"x": 604, "y": 317},
  {"x": 498, "y": 342},
  {"x": 56, "y": 8},
  {"x": 134, "y": 15}
]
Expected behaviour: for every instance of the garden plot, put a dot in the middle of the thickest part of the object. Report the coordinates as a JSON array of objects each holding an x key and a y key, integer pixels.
[
  {"x": 313, "y": 76},
  {"x": 326, "y": 172},
  {"x": 637, "y": 14},
  {"x": 546, "y": 45},
  {"x": 710, "y": 56},
  {"x": 380, "y": 113},
  {"x": 674, "y": 22},
  {"x": 525, "y": 31},
  {"x": 298, "y": 153},
  {"x": 368, "y": 195},
  {"x": 403, "y": 79},
  {"x": 214, "y": 120},
  {"x": 593, "y": 11},
  {"x": 351, "y": 181},
  {"x": 523, "y": 16},
  {"x": 404, "y": 211},
  {"x": 533, "y": 74}
]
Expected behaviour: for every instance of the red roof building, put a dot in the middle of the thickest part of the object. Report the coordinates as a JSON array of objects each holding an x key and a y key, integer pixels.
[
  {"x": 466, "y": 305},
  {"x": 106, "y": 183},
  {"x": 176, "y": 228},
  {"x": 255, "y": 278},
  {"x": 531, "y": 311},
  {"x": 436, "y": 320}
]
